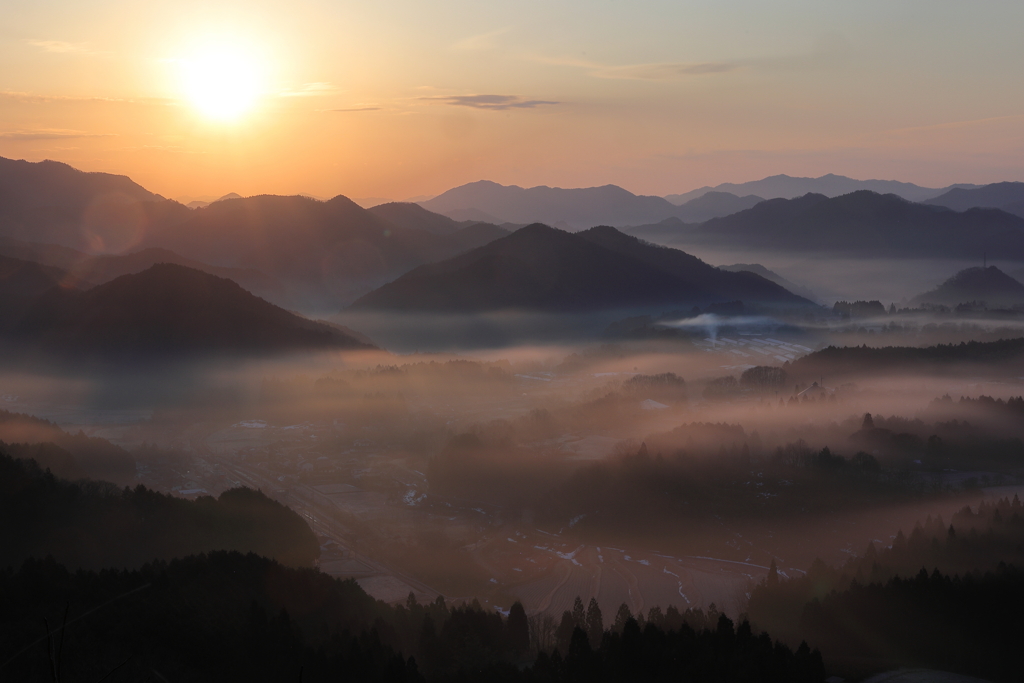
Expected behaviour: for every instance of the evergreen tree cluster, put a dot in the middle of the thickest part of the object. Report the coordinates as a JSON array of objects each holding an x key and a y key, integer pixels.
[
  {"x": 958, "y": 617},
  {"x": 228, "y": 616}
]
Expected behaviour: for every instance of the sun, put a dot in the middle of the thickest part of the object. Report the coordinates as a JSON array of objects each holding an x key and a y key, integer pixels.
[{"x": 222, "y": 83}]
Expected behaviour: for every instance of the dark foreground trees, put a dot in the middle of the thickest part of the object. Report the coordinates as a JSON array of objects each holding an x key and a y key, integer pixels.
[{"x": 227, "y": 616}]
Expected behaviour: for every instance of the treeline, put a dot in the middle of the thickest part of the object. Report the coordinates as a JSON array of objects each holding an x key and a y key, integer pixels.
[
  {"x": 652, "y": 493},
  {"x": 945, "y": 597},
  {"x": 94, "y": 524},
  {"x": 1011, "y": 407},
  {"x": 225, "y": 616},
  {"x": 847, "y": 361}
]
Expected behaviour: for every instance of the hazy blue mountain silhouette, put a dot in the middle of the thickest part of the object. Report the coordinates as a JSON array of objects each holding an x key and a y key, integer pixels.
[
  {"x": 52, "y": 255},
  {"x": 325, "y": 253},
  {"x": 788, "y": 187},
  {"x": 862, "y": 224},
  {"x": 578, "y": 208},
  {"x": 168, "y": 310},
  {"x": 663, "y": 232},
  {"x": 100, "y": 269},
  {"x": 773, "y": 276},
  {"x": 978, "y": 284},
  {"x": 81, "y": 271},
  {"x": 52, "y": 202},
  {"x": 1006, "y": 196},
  {"x": 414, "y": 216},
  {"x": 715, "y": 205},
  {"x": 545, "y": 269}
]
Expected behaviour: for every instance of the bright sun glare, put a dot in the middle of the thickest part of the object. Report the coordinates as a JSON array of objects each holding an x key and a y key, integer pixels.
[{"x": 222, "y": 83}]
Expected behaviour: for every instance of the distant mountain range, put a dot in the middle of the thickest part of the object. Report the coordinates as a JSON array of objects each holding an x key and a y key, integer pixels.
[
  {"x": 166, "y": 311},
  {"x": 788, "y": 187},
  {"x": 576, "y": 209},
  {"x": 74, "y": 269},
  {"x": 51, "y": 202},
  {"x": 1006, "y": 196},
  {"x": 861, "y": 224},
  {"x": 544, "y": 269},
  {"x": 199, "y": 204},
  {"x": 714, "y": 205},
  {"x": 296, "y": 251},
  {"x": 989, "y": 285},
  {"x": 325, "y": 253},
  {"x": 573, "y": 208}
]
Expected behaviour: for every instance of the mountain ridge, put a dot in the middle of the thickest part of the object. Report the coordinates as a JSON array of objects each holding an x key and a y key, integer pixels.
[
  {"x": 782, "y": 186},
  {"x": 544, "y": 269},
  {"x": 167, "y": 310},
  {"x": 978, "y": 284},
  {"x": 860, "y": 224}
]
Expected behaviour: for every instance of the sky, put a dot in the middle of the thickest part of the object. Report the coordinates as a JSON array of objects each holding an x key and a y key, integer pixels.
[{"x": 404, "y": 98}]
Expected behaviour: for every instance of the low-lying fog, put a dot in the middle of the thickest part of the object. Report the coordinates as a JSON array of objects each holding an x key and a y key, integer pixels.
[{"x": 655, "y": 471}]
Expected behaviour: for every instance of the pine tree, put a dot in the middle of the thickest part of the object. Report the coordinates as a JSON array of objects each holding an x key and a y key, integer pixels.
[
  {"x": 595, "y": 623},
  {"x": 579, "y": 615},
  {"x": 621, "y": 617},
  {"x": 517, "y": 629},
  {"x": 563, "y": 634}
]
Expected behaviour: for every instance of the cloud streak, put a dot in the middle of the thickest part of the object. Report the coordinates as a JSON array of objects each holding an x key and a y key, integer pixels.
[
  {"x": 669, "y": 71},
  {"x": 50, "y": 134},
  {"x": 352, "y": 109},
  {"x": 657, "y": 71},
  {"x": 310, "y": 90},
  {"x": 489, "y": 102},
  {"x": 64, "y": 47}
]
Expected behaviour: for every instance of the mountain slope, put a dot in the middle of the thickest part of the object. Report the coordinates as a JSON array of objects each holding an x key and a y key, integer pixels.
[
  {"x": 578, "y": 208},
  {"x": 788, "y": 187},
  {"x": 101, "y": 269},
  {"x": 1006, "y": 196},
  {"x": 21, "y": 284},
  {"x": 863, "y": 224},
  {"x": 409, "y": 215},
  {"x": 544, "y": 269},
  {"x": 325, "y": 253},
  {"x": 773, "y": 276},
  {"x": 169, "y": 310},
  {"x": 51, "y": 202},
  {"x": 991, "y": 285},
  {"x": 715, "y": 205}
]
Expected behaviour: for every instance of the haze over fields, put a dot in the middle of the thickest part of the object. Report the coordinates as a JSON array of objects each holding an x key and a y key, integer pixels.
[{"x": 527, "y": 343}]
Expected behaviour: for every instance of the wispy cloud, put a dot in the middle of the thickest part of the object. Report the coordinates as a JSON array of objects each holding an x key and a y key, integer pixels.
[
  {"x": 492, "y": 102},
  {"x": 658, "y": 71},
  {"x": 50, "y": 134},
  {"x": 310, "y": 90},
  {"x": 358, "y": 108},
  {"x": 36, "y": 98},
  {"x": 670, "y": 71},
  {"x": 64, "y": 47}
]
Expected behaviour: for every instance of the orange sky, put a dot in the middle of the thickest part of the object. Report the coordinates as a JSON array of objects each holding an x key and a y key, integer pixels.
[{"x": 401, "y": 99}]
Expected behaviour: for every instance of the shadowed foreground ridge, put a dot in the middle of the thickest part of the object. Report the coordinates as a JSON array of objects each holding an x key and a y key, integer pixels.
[{"x": 93, "y": 524}]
